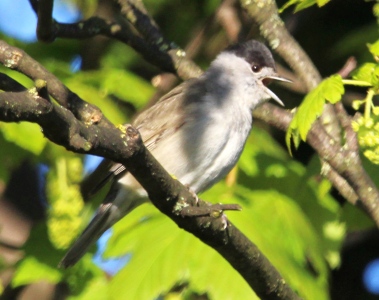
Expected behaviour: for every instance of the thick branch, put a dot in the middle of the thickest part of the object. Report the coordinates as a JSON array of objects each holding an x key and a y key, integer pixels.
[
  {"x": 126, "y": 147},
  {"x": 16, "y": 59},
  {"x": 155, "y": 49}
]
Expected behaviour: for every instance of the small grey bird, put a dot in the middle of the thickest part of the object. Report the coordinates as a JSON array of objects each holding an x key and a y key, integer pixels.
[{"x": 197, "y": 132}]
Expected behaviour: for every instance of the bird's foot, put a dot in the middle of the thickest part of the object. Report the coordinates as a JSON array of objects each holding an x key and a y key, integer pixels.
[{"x": 193, "y": 194}]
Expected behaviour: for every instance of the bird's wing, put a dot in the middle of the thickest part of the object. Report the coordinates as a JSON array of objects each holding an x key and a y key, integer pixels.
[
  {"x": 165, "y": 117},
  {"x": 154, "y": 123}
]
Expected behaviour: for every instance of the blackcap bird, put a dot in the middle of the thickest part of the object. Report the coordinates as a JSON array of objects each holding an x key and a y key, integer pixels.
[{"x": 197, "y": 132}]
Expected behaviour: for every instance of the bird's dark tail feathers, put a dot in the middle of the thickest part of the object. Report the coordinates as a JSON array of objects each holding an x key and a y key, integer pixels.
[
  {"x": 99, "y": 224},
  {"x": 118, "y": 203}
]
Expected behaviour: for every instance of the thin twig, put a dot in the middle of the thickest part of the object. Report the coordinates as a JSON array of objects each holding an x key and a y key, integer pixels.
[{"x": 45, "y": 20}]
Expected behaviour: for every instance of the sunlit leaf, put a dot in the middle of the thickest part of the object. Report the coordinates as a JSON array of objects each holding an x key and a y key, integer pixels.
[
  {"x": 97, "y": 289},
  {"x": 259, "y": 140},
  {"x": 303, "y": 4},
  {"x": 331, "y": 90},
  {"x": 94, "y": 96},
  {"x": 26, "y": 135},
  {"x": 374, "y": 48},
  {"x": 121, "y": 83},
  {"x": 322, "y": 2},
  {"x": 264, "y": 221},
  {"x": 296, "y": 181},
  {"x": 85, "y": 279},
  {"x": 11, "y": 156},
  {"x": 38, "y": 240},
  {"x": 31, "y": 270},
  {"x": 368, "y": 73}
]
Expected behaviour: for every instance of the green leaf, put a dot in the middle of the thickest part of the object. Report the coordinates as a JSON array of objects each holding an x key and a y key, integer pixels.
[
  {"x": 302, "y": 4},
  {"x": 96, "y": 289},
  {"x": 92, "y": 95},
  {"x": 32, "y": 270},
  {"x": 264, "y": 221},
  {"x": 288, "y": 4},
  {"x": 85, "y": 279},
  {"x": 322, "y": 210},
  {"x": 41, "y": 261},
  {"x": 374, "y": 48},
  {"x": 25, "y": 135},
  {"x": 133, "y": 88},
  {"x": 38, "y": 240},
  {"x": 279, "y": 172},
  {"x": 259, "y": 141},
  {"x": 368, "y": 73},
  {"x": 101, "y": 87},
  {"x": 273, "y": 167},
  {"x": 330, "y": 89},
  {"x": 121, "y": 83},
  {"x": 321, "y": 3},
  {"x": 307, "y": 3},
  {"x": 375, "y": 10},
  {"x": 11, "y": 157}
]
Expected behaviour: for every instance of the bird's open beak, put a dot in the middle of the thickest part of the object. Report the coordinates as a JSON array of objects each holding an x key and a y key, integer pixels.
[{"x": 267, "y": 80}]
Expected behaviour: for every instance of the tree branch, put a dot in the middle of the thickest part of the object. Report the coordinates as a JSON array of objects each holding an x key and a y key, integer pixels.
[
  {"x": 16, "y": 59},
  {"x": 155, "y": 49}
]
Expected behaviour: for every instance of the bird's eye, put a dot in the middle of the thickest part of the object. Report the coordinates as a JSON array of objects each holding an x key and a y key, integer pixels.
[{"x": 256, "y": 68}]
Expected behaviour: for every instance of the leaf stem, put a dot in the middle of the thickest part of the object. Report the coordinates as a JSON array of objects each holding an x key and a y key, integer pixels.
[
  {"x": 368, "y": 103},
  {"x": 355, "y": 82}
]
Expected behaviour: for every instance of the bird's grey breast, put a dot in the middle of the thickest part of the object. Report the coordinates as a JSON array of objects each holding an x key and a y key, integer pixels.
[{"x": 216, "y": 130}]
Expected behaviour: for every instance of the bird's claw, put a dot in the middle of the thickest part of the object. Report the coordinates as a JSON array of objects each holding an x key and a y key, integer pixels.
[
  {"x": 193, "y": 194},
  {"x": 220, "y": 214}
]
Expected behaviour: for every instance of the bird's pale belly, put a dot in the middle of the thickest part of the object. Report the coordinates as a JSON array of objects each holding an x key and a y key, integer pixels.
[{"x": 200, "y": 163}]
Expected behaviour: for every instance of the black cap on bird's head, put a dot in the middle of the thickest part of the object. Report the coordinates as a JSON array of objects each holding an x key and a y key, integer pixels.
[
  {"x": 254, "y": 52},
  {"x": 258, "y": 56}
]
